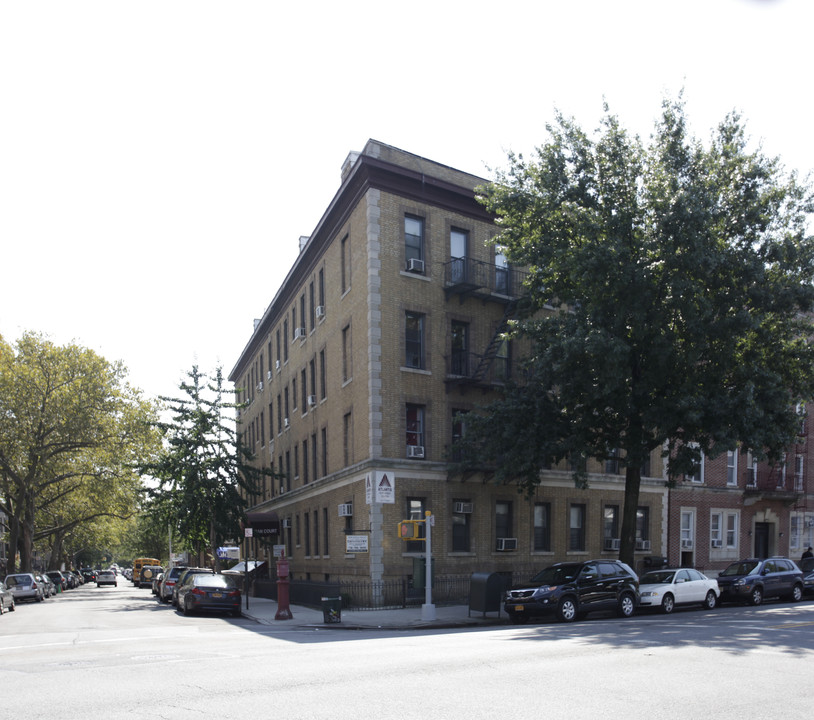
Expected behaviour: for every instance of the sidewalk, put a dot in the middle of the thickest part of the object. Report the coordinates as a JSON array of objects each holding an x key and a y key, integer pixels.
[{"x": 263, "y": 611}]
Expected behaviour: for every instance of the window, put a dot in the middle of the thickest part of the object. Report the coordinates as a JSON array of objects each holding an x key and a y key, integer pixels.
[
  {"x": 347, "y": 362},
  {"x": 279, "y": 414},
  {"x": 305, "y": 478},
  {"x": 321, "y": 287},
  {"x": 285, "y": 335},
  {"x": 316, "y": 533},
  {"x": 751, "y": 470},
  {"x": 311, "y": 308},
  {"x": 502, "y": 362},
  {"x": 345, "y": 264},
  {"x": 414, "y": 336},
  {"x": 458, "y": 432},
  {"x": 459, "y": 360},
  {"x": 306, "y": 531},
  {"x": 415, "y": 425},
  {"x": 413, "y": 239},
  {"x": 503, "y": 520},
  {"x": 643, "y": 523},
  {"x": 576, "y": 527},
  {"x": 501, "y": 272},
  {"x": 314, "y": 455},
  {"x": 347, "y": 439},
  {"x": 304, "y": 391},
  {"x": 302, "y": 312},
  {"x": 687, "y": 529},
  {"x": 542, "y": 527},
  {"x": 610, "y": 527},
  {"x": 732, "y": 530},
  {"x": 271, "y": 421},
  {"x": 278, "y": 348},
  {"x": 416, "y": 508},
  {"x": 798, "y": 472},
  {"x": 460, "y": 528},
  {"x": 294, "y": 393},
  {"x": 323, "y": 378},
  {"x": 731, "y": 467},
  {"x": 613, "y": 463},
  {"x": 458, "y": 242},
  {"x": 325, "y": 531},
  {"x": 324, "y": 439},
  {"x": 312, "y": 365},
  {"x": 697, "y": 475},
  {"x": 262, "y": 429},
  {"x": 716, "y": 530}
]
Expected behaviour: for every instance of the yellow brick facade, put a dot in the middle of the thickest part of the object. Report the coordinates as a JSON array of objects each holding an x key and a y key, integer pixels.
[{"x": 348, "y": 383}]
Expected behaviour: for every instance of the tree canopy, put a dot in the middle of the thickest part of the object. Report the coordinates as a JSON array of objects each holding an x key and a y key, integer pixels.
[
  {"x": 72, "y": 433},
  {"x": 203, "y": 467},
  {"x": 668, "y": 301}
]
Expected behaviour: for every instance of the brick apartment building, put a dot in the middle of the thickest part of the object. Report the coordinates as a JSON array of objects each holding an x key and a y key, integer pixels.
[
  {"x": 385, "y": 329},
  {"x": 736, "y": 507}
]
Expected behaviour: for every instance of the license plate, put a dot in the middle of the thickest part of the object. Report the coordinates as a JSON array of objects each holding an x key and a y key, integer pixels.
[
  {"x": 519, "y": 608},
  {"x": 217, "y": 595}
]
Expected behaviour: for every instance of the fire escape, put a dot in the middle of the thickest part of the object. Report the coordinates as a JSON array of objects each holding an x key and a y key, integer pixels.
[{"x": 469, "y": 278}]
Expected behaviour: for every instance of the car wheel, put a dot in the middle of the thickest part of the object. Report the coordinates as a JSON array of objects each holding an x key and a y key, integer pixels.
[
  {"x": 796, "y": 593},
  {"x": 668, "y": 604},
  {"x": 13, "y": 605},
  {"x": 710, "y": 601},
  {"x": 187, "y": 609},
  {"x": 40, "y": 598},
  {"x": 626, "y": 606},
  {"x": 567, "y": 610},
  {"x": 756, "y": 597}
]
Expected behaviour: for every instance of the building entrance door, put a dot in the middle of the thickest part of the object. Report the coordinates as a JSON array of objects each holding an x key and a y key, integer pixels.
[{"x": 762, "y": 539}]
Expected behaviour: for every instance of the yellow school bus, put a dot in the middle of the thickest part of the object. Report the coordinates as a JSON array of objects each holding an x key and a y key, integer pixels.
[{"x": 139, "y": 563}]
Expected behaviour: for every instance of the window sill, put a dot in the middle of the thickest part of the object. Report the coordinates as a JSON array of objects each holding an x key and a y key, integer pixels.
[{"x": 415, "y": 276}]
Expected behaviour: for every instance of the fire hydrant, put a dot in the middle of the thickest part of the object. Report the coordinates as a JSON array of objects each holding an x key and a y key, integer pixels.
[{"x": 283, "y": 610}]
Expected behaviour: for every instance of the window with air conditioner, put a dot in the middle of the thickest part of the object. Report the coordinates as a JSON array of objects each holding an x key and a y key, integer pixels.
[
  {"x": 312, "y": 400},
  {"x": 415, "y": 451},
  {"x": 415, "y": 265},
  {"x": 462, "y": 507},
  {"x": 346, "y": 510},
  {"x": 414, "y": 243},
  {"x": 320, "y": 312},
  {"x": 504, "y": 544}
]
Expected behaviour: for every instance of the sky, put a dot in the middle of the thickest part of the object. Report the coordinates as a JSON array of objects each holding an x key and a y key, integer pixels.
[{"x": 159, "y": 161}]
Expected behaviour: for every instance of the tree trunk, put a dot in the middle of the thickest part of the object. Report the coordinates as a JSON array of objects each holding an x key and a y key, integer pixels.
[{"x": 627, "y": 545}]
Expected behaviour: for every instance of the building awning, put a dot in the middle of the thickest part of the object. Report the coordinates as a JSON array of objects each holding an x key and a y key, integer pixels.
[
  {"x": 241, "y": 567},
  {"x": 263, "y": 523}
]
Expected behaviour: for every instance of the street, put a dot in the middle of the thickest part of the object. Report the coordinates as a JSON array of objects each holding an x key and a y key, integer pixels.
[{"x": 118, "y": 653}]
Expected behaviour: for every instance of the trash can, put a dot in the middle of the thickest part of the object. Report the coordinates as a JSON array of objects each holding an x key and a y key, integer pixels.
[{"x": 331, "y": 609}]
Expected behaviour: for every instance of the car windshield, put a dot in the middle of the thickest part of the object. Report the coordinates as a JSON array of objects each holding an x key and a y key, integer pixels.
[
  {"x": 657, "y": 577},
  {"x": 556, "y": 574},
  {"x": 741, "y": 568}
]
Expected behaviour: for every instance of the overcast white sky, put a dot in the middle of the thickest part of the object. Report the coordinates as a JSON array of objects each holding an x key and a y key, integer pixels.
[{"x": 159, "y": 160}]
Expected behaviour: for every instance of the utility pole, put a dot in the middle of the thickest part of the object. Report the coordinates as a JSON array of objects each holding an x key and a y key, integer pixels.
[{"x": 428, "y": 609}]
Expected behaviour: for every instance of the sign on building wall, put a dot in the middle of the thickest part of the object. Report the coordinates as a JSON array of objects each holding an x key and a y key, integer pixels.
[
  {"x": 356, "y": 543},
  {"x": 380, "y": 487}
]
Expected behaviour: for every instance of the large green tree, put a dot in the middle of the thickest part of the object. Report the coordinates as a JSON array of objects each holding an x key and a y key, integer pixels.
[
  {"x": 72, "y": 432},
  {"x": 204, "y": 476},
  {"x": 666, "y": 304}
]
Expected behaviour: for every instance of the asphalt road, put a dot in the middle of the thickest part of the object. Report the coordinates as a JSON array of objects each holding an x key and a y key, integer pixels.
[{"x": 118, "y": 653}]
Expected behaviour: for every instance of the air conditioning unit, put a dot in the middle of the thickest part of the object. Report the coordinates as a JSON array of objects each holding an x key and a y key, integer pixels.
[
  {"x": 686, "y": 544},
  {"x": 504, "y": 544},
  {"x": 716, "y": 543},
  {"x": 286, "y": 423},
  {"x": 320, "y": 311},
  {"x": 312, "y": 400},
  {"x": 277, "y": 365},
  {"x": 415, "y": 265},
  {"x": 299, "y": 333},
  {"x": 415, "y": 451},
  {"x": 286, "y": 522},
  {"x": 612, "y": 543},
  {"x": 464, "y": 508},
  {"x": 346, "y": 510},
  {"x": 643, "y": 545},
  {"x": 260, "y": 386},
  {"x": 268, "y": 375}
]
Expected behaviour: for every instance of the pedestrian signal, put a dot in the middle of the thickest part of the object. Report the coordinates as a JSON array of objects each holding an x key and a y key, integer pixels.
[{"x": 408, "y": 529}]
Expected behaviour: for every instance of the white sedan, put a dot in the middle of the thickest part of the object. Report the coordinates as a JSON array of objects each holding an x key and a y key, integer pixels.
[{"x": 679, "y": 586}]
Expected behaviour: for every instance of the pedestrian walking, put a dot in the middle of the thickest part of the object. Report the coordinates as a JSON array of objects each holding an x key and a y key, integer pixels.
[{"x": 808, "y": 553}]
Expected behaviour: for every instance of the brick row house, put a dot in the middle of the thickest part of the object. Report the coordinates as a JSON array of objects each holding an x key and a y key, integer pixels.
[{"x": 384, "y": 333}]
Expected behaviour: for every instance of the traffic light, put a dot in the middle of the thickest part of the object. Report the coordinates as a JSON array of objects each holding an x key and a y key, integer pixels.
[{"x": 409, "y": 530}]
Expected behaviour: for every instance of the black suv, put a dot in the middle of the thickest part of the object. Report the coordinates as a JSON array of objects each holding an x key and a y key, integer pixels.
[
  {"x": 752, "y": 580},
  {"x": 573, "y": 589}
]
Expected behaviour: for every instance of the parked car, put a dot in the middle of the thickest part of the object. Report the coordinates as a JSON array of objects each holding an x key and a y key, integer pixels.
[
  {"x": 157, "y": 582},
  {"x": 168, "y": 582},
  {"x": 209, "y": 591},
  {"x": 677, "y": 586},
  {"x": 752, "y": 580},
  {"x": 148, "y": 572},
  {"x": 806, "y": 566},
  {"x": 49, "y": 588},
  {"x": 58, "y": 579},
  {"x": 182, "y": 577},
  {"x": 106, "y": 577},
  {"x": 573, "y": 589},
  {"x": 25, "y": 586},
  {"x": 6, "y": 599}
]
